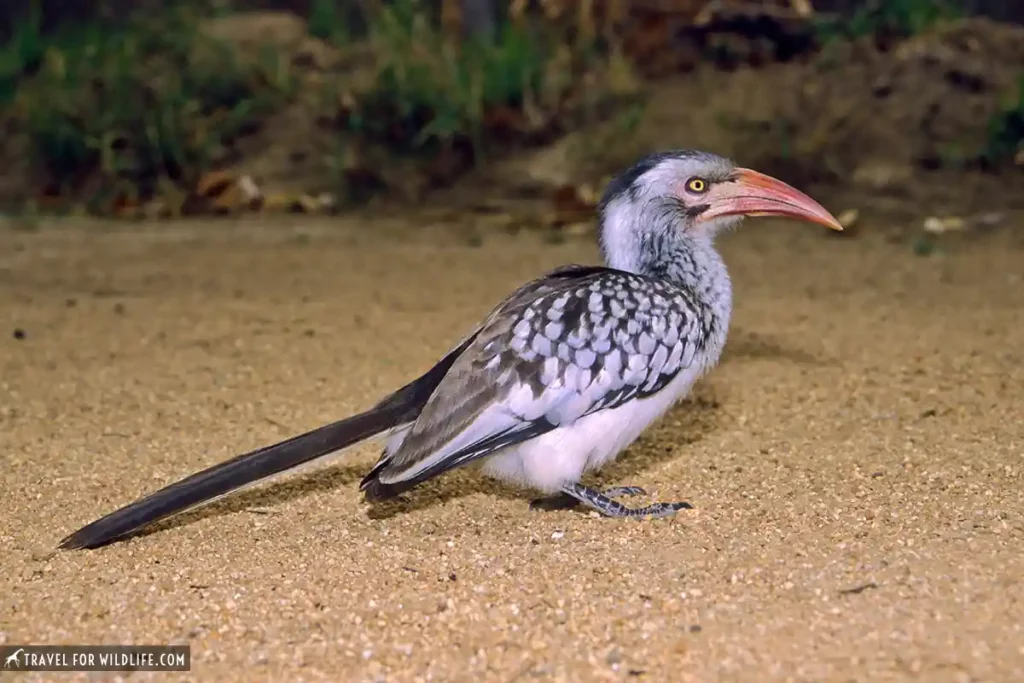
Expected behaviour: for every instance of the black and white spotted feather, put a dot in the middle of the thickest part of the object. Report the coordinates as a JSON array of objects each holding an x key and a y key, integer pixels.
[{"x": 580, "y": 340}]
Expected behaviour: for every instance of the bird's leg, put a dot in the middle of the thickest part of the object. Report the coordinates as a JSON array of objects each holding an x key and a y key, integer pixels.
[
  {"x": 562, "y": 501},
  {"x": 611, "y": 508}
]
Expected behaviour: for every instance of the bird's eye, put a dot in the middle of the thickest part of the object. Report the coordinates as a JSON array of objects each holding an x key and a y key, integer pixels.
[{"x": 697, "y": 185}]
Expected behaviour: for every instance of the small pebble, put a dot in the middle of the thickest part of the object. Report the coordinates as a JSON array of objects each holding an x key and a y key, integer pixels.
[{"x": 848, "y": 218}]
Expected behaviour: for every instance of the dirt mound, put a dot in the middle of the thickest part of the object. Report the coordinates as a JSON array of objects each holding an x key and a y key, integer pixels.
[
  {"x": 906, "y": 126},
  {"x": 876, "y": 115}
]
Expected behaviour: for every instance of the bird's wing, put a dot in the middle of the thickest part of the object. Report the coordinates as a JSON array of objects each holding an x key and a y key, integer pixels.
[{"x": 578, "y": 340}]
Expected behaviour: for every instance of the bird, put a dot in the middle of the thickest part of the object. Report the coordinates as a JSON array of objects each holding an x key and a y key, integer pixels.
[{"x": 563, "y": 374}]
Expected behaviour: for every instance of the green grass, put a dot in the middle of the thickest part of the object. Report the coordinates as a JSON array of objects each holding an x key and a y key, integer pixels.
[
  {"x": 121, "y": 110},
  {"x": 1006, "y": 129},
  {"x": 329, "y": 20},
  {"x": 21, "y": 55},
  {"x": 890, "y": 18},
  {"x": 430, "y": 90}
]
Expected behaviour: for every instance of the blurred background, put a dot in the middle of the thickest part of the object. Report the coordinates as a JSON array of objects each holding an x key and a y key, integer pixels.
[{"x": 155, "y": 109}]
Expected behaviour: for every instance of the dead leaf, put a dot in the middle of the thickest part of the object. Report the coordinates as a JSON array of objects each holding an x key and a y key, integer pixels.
[
  {"x": 124, "y": 206},
  {"x": 937, "y": 226},
  {"x": 279, "y": 202},
  {"x": 214, "y": 183},
  {"x": 503, "y": 118},
  {"x": 308, "y": 204},
  {"x": 570, "y": 206},
  {"x": 249, "y": 190}
]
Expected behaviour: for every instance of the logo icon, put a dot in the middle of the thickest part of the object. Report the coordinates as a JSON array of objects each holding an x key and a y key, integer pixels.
[{"x": 13, "y": 658}]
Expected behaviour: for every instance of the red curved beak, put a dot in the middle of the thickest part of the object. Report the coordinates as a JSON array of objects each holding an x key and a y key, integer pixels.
[{"x": 756, "y": 194}]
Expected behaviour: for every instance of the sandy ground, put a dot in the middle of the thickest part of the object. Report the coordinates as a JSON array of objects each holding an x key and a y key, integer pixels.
[{"x": 855, "y": 465}]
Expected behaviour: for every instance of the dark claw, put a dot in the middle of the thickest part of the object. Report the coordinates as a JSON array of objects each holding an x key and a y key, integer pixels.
[
  {"x": 604, "y": 504},
  {"x": 563, "y": 501},
  {"x": 661, "y": 509}
]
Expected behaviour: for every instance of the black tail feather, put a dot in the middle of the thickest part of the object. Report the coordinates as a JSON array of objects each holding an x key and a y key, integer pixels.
[
  {"x": 230, "y": 475},
  {"x": 399, "y": 408}
]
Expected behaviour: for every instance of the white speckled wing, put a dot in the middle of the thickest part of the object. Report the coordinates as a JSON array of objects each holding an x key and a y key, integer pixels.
[{"x": 577, "y": 341}]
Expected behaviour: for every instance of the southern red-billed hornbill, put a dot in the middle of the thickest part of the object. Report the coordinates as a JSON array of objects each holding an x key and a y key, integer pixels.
[{"x": 564, "y": 373}]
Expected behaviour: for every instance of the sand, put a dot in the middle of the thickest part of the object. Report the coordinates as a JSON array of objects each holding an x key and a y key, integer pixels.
[{"x": 855, "y": 464}]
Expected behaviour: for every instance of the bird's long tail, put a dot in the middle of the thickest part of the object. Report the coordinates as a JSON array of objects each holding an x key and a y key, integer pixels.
[
  {"x": 235, "y": 473},
  {"x": 401, "y": 407}
]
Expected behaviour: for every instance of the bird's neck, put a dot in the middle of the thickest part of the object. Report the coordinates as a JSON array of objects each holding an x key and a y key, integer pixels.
[
  {"x": 671, "y": 254},
  {"x": 695, "y": 265},
  {"x": 662, "y": 249}
]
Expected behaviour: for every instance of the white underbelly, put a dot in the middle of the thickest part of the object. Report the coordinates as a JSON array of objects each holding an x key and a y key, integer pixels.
[{"x": 564, "y": 454}]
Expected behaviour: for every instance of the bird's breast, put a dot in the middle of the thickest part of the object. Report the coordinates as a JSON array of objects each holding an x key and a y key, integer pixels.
[{"x": 564, "y": 454}]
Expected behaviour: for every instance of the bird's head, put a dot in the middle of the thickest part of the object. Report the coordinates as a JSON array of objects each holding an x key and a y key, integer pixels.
[{"x": 690, "y": 195}]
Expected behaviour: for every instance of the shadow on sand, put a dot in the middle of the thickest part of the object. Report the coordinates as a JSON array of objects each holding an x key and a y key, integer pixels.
[{"x": 694, "y": 417}]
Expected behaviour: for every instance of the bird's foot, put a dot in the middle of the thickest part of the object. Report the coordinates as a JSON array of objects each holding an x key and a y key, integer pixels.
[
  {"x": 603, "y": 503},
  {"x": 563, "y": 501}
]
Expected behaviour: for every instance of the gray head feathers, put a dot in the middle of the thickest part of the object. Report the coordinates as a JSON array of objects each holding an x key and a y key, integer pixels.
[
  {"x": 677, "y": 165},
  {"x": 642, "y": 212}
]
